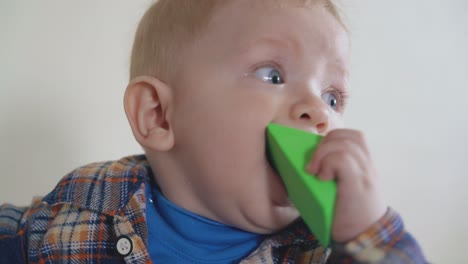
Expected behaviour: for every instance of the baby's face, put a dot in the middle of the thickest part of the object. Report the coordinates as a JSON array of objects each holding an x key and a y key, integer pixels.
[{"x": 253, "y": 65}]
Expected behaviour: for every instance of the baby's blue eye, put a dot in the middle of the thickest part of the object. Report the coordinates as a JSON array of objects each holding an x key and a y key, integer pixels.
[
  {"x": 330, "y": 99},
  {"x": 269, "y": 74}
]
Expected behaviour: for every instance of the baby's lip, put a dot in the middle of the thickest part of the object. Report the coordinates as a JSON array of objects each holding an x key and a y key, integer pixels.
[{"x": 281, "y": 198}]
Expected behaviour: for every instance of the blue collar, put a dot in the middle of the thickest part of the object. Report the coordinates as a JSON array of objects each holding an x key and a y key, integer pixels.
[{"x": 176, "y": 235}]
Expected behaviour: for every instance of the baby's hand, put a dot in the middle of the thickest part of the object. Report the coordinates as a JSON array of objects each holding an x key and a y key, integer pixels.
[{"x": 343, "y": 155}]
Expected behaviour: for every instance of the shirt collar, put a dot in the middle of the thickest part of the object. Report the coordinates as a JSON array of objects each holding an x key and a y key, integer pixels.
[
  {"x": 102, "y": 187},
  {"x": 180, "y": 234}
]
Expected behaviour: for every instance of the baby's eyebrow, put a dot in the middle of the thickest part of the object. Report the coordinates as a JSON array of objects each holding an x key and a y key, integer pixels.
[
  {"x": 284, "y": 44},
  {"x": 340, "y": 69},
  {"x": 291, "y": 47}
]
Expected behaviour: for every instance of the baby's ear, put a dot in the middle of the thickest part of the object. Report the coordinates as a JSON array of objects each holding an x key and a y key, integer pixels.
[{"x": 147, "y": 103}]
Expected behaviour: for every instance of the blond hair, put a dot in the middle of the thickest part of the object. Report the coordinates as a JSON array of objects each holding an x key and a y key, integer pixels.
[{"x": 169, "y": 24}]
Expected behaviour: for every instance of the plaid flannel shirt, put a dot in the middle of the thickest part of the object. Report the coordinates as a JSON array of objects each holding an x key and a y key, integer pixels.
[{"x": 94, "y": 207}]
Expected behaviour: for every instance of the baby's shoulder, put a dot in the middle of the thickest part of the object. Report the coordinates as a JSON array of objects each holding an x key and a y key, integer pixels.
[
  {"x": 103, "y": 187},
  {"x": 89, "y": 198}
]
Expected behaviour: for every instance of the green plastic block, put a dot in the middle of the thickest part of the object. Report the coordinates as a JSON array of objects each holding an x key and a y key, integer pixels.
[{"x": 289, "y": 151}]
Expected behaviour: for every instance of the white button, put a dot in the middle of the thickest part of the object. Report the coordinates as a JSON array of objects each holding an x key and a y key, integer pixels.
[{"x": 124, "y": 246}]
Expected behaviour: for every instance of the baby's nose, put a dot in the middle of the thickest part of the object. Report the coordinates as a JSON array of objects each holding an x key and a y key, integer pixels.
[{"x": 312, "y": 113}]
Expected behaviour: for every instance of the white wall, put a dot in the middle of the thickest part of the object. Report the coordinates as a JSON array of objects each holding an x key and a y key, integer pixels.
[{"x": 63, "y": 71}]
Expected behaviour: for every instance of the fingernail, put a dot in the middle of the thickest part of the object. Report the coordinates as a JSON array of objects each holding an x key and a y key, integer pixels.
[{"x": 311, "y": 168}]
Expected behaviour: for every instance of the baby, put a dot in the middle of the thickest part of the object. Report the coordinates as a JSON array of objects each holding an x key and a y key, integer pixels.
[{"x": 207, "y": 77}]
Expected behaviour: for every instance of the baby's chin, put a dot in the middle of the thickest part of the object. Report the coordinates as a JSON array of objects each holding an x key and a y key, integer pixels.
[
  {"x": 266, "y": 217},
  {"x": 288, "y": 215},
  {"x": 281, "y": 212}
]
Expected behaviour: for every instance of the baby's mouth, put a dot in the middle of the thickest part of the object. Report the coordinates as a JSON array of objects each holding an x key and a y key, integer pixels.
[{"x": 281, "y": 198}]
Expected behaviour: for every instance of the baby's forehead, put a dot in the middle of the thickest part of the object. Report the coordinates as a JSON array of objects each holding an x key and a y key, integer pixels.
[
  {"x": 244, "y": 22},
  {"x": 170, "y": 28},
  {"x": 298, "y": 31},
  {"x": 244, "y": 10}
]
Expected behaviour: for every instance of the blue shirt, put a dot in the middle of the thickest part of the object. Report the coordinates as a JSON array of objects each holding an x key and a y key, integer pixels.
[{"x": 176, "y": 235}]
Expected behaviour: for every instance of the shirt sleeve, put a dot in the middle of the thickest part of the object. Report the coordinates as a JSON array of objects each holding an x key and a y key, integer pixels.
[{"x": 386, "y": 241}]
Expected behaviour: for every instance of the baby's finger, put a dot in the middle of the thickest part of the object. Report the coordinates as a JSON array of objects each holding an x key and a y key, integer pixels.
[
  {"x": 326, "y": 148},
  {"x": 347, "y": 134},
  {"x": 338, "y": 163}
]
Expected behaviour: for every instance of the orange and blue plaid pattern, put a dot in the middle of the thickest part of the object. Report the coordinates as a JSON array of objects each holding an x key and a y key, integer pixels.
[{"x": 82, "y": 219}]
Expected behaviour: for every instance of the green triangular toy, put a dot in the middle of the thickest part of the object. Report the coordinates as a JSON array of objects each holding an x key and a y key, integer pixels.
[{"x": 289, "y": 151}]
